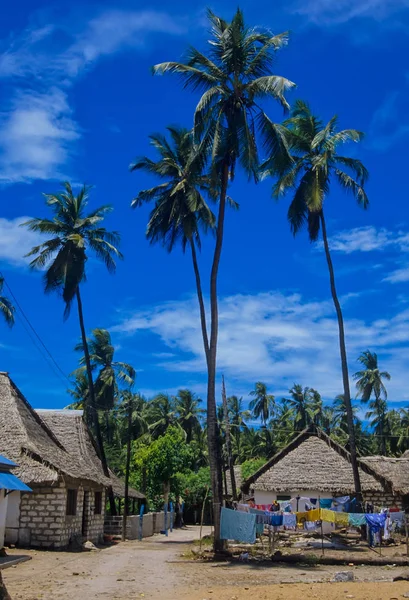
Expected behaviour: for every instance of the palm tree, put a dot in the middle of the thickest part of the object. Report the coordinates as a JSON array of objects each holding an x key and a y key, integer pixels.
[
  {"x": 262, "y": 404},
  {"x": 317, "y": 406},
  {"x": 403, "y": 441},
  {"x": 73, "y": 235},
  {"x": 301, "y": 402},
  {"x": 110, "y": 372},
  {"x": 188, "y": 413},
  {"x": 139, "y": 425},
  {"x": 369, "y": 381},
  {"x": 315, "y": 163},
  {"x": 7, "y": 309},
  {"x": 80, "y": 391},
  {"x": 328, "y": 419},
  {"x": 284, "y": 423},
  {"x": 180, "y": 207},
  {"x": 233, "y": 77},
  {"x": 161, "y": 414},
  {"x": 379, "y": 414}
]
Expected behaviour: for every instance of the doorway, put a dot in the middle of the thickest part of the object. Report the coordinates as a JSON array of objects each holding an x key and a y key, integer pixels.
[{"x": 85, "y": 514}]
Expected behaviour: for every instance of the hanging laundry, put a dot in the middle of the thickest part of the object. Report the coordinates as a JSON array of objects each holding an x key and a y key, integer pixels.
[
  {"x": 397, "y": 517},
  {"x": 342, "y": 499},
  {"x": 314, "y": 515},
  {"x": 326, "y": 503},
  {"x": 376, "y": 521},
  {"x": 357, "y": 519},
  {"x": 284, "y": 504},
  {"x": 341, "y": 519},
  {"x": 301, "y": 517},
  {"x": 289, "y": 520},
  {"x": 237, "y": 525},
  {"x": 262, "y": 516},
  {"x": 243, "y": 507},
  {"x": 314, "y": 501},
  {"x": 327, "y": 515},
  {"x": 310, "y": 525},
  {"x": 276, "y": 520}
]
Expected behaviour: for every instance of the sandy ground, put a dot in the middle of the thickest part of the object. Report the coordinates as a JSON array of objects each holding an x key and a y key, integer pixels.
[{"x": 155, "y": 568}]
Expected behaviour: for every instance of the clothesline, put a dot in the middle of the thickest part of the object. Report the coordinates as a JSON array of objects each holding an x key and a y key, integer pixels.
[{"x": 246, "y": 522}]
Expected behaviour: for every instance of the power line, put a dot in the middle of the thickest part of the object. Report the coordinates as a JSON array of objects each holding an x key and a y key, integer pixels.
[{"x": 54, "y": 366}]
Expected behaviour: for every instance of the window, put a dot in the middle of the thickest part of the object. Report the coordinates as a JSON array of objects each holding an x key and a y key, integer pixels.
[
  {"x": 71, "y": 502},
  {"x": 98, "y": 503},
  {"x": 283, "y": 498}
]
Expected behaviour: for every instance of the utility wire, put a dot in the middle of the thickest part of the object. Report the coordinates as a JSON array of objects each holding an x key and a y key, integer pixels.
[{"x": 43, "y": 350}]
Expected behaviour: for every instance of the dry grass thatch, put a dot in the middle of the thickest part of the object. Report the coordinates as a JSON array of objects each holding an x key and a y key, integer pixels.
[
  {"x": 395, "y": 470},
  {"x": 313, "y": 461},
  {"x": 118, "y": 487},
  {"x": 49, "y": 444}
]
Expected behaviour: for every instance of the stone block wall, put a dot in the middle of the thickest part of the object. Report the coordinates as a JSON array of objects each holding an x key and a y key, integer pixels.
[
  {"x": 152, "y": 523},
  {"x": 45, "y": 524},
  {"x": 383, "y": 499}
]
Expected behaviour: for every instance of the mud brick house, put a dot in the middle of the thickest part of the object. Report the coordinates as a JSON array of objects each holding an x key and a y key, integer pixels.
[{"x": 57, "y": 459}]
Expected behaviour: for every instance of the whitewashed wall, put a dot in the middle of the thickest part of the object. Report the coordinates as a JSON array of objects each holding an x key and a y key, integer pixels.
[
  {"x": 12, "y": 518},
  {"x": 3, "y": 513}
]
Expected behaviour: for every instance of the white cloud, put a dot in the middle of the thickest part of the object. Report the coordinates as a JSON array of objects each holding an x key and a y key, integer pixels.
[
  {"x": 36, "y": 136},
  {"x": 399, "y": 275},
  {"x": 331, "y": 12},
  {"x": 277, "y": 338},
  {"x": 16, "y": 241},
  {"x": 38, "y": 133},
  {"x": 368, "y": 239}
]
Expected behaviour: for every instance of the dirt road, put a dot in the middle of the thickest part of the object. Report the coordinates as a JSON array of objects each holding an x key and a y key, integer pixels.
[{"x": 155, "y": 569}]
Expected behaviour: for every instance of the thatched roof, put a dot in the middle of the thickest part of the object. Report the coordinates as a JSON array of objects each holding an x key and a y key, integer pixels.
[
  {"x": 118, "y": 487},
  {"x": 70, "y": 430},
  {"x": 312, "y": 461},
  {"x": 395, "y": 470}
]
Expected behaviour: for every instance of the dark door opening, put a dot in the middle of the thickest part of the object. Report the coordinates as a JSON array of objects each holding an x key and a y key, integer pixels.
[{"x": 85, "y": 511}]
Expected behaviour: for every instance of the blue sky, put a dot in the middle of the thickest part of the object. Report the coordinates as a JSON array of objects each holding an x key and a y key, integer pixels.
[{"x": 78, "y": 102}]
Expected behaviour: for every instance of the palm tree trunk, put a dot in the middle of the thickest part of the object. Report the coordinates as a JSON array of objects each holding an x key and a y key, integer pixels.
[
  {"x": 213, "y": 437},
  {"x": 200, "y": 299},
  {"x": 344, "y": 365},
  {"x": 127, "y": 469},
  {"x": 92, "y": 401}
]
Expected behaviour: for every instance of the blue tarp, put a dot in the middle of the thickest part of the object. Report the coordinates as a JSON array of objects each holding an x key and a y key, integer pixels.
[
  {"x": 6, "y": 461},
  {"x": 11, "y": 482}
]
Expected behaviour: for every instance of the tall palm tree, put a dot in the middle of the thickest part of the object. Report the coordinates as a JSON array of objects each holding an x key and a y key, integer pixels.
[
  {"x": 370, "y": 382},
  {"x": 110, "y": 373},
  {"x": 403, "y": 441},
  {"x": 302, "y": 404},
  {"x": 139, "y": 425},
  {"x": 233, "y": 77},
  {"x": 180, "y": 210},
  {"x": 315, "y": 164},
  {"x": 74, "y": 235},
  {"x": 7, "y": 309},
  {"x": 378, "y": 414},
  {"x": 188, "y": 413},
  {"x": 262, "y": 404}
]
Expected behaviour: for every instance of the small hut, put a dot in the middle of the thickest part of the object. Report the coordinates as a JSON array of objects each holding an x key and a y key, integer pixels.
[
  {"x": 56, "y": 457},
  {"x": 314, "y": 466}
]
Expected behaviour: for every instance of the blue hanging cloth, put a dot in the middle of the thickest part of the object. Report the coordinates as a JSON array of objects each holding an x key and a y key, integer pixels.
[
  {"x": 375, "y": 521},
  {"x": 326, "y": 503},
  {"x": 237, "y": 525}
]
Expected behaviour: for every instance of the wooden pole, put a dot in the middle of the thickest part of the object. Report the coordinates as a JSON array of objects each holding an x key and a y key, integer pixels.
[
  {"x": 407, "y": 535},
  {"x": 322, "y": 530},
  {"x": 127, "y": 467},
  {"x": 202, "y": 517},
  {"x": 228, "y": 442}
]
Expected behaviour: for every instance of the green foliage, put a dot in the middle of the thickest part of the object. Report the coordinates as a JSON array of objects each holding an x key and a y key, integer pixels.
[
  {"x": 249, "y": 467},
  {"x": 193, "y": 486},
  {"x": 163, "y": 459}
]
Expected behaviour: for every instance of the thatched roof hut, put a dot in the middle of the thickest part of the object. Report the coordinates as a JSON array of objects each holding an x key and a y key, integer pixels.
[
  {"x": 394, "y": 470},
  {"x": 28, "y": 440},
  {"x": 69, "y": 428},
  {"x": 313, "y": 461}
]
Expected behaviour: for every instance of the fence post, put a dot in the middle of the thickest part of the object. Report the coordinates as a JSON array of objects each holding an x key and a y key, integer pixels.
[{"x": 141, "y": 522}]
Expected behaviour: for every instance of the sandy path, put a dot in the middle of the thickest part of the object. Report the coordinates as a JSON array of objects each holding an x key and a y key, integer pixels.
[{"x": 155, "y": 569}]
